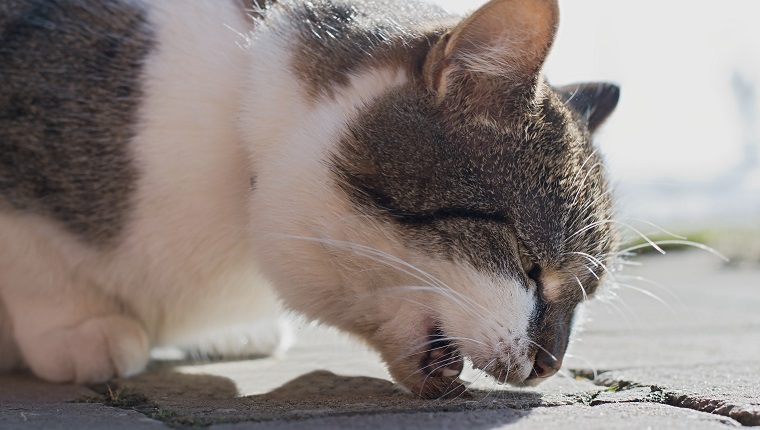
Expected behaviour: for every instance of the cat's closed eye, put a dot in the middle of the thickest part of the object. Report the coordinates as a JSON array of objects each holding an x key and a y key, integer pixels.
[{"x": 531, "y": 268}]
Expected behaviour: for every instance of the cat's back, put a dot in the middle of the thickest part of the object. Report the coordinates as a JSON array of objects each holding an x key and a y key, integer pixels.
[
  {"x": 70, "y": 95},
  {"x": 85, "y": 81}
]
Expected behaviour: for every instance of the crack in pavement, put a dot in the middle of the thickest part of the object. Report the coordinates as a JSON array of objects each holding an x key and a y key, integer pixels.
[
  {"x": 663, "y": 395},
  {"x": 716, "y": 407}
]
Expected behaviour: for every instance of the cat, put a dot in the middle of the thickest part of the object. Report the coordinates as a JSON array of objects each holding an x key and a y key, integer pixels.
[{"x": 170, "y": 172}]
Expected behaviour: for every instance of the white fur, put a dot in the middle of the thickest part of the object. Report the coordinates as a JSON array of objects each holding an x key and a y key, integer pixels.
[
  {"x": 196, "y": 178},
  {"x": 295, "y": 196},
  {"x": 496, "y": 314}
]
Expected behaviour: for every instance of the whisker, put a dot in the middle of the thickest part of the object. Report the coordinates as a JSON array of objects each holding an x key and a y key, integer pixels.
[
  {"x": 453, "y": 385},
  {"x": 482, "y": 372},
  {"x": 542, "y": 349},
  {"x": 632, "y": 228},
  {"x": 595, "y": 261},
  {"x": 413, "y": 349},
  {"x": 440, "y": 291},
  {"x": 509, "y": 368},
  {"x": 682, "y": 243},
  {"x": 373, "y": 252},
  {"x": 593, "y": 153},
  {"x": 593, "y": 273},
  {"x": 387, "y": 292},
  {"x": 378, "y": 256},
  {"x": 442, "y": 365},
  {"x": 494, "y": 388},
  {"x": 648, "y": 294},
  {"x": 629, "y": 262},
  {"x": 432, "y": 341},
  {"x": 406, "y": 299},
  {"x": 585, "y": 178},
  {"x": 662, "y": 230},
  {"x": 583, "y": 209},
  {"x": 624, "y": 310},
  {"x": 580, "y": 284},
  {"x": 664, "y": 288}
]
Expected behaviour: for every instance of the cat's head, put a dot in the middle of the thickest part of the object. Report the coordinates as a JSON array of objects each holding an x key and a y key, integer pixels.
[{"x": 464, "y": 212}]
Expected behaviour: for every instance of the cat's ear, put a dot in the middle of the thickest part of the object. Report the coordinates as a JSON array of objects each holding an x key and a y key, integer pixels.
[
  {"x": 593, "y": 101},
  {"x": 509, "y": 39}
]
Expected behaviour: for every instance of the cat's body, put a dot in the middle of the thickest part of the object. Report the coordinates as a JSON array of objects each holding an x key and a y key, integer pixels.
[{"x": 163, "y": 162}]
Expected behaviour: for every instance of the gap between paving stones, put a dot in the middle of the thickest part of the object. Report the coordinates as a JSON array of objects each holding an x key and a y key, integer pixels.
[{"x": 662, "y": 395}]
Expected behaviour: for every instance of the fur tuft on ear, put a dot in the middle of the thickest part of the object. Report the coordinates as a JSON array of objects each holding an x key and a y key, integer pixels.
[
  {"x": 593, "y": 101},
  {"x": 508, "y": 39}
]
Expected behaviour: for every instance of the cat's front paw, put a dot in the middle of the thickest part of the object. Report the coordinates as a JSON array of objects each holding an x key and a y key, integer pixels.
[{"x": 96, "y": 350}]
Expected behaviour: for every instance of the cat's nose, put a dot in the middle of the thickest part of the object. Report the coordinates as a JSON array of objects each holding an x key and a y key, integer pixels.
[{"x": 545, "y": 365}]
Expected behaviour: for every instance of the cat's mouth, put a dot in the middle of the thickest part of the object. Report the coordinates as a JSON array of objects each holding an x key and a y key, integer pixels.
[
  {"x": 440, "y": 365},
  {"x": 442, "y": 358}
]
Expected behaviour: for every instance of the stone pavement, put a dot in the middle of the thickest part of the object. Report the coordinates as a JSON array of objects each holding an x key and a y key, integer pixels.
[{"x": 681, "y": 351}]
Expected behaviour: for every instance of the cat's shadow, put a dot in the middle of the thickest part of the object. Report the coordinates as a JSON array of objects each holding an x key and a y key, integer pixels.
[{"x": 182, "y": 398}]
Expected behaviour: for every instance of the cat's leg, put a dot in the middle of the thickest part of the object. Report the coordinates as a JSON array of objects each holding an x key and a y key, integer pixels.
[
  {"x": 66, "y": 328},
  {"x": 69, "y": 334}
]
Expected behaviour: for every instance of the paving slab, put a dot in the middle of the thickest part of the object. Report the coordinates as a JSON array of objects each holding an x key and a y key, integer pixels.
[
  {"x": 28, "y": 403},
  {"x": 66, "y": 416},
  {"x": 604, "y": 417},
  {"x": 704, "y": 313},
  {"x": 21, "y": 388}
]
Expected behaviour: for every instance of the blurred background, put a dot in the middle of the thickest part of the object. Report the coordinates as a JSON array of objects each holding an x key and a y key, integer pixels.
[{"x": 683, "y": 146}]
